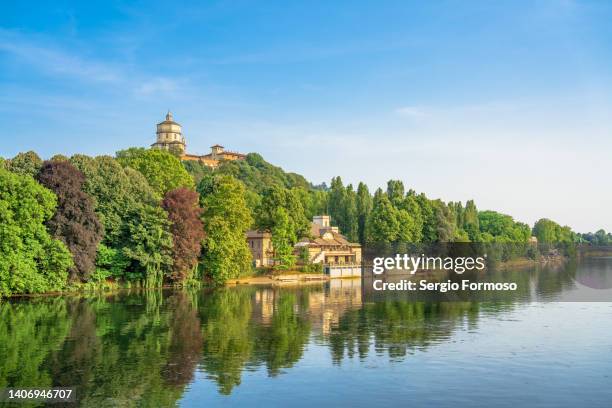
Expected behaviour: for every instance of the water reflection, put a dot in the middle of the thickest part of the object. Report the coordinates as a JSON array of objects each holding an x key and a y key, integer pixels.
[{"x": 144, "y": 348}]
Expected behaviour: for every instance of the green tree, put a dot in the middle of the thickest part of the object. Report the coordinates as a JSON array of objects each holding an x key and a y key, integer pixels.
[
  {"x": 163, "y": 170},
  {"x": 115, "y": 190},
  {"x": 30, "y": 260},
  {"x": 110, "y": 262},
  {"x": 283, "y": 240},
  {"x": 306, "y": 200},
  {"x": 471, "y": 224},
  {"x": 408, "y": 212},
  {"x": 259, "y": 175},
  {"x": 343, "y": 208},
  {"x": 549, "y": 232},
  {"x": 226, "y": 219},
  {"x": 197, "y": 170},
  {"x": 25, "y": 163},
  {"x": 276, "y": 197},
  {"x": 148, "y": 245},
  {"x": 502, "y": 228},
  {"x": 59, "y": 157},
  {"x": 411, "y": 205},
  {"x": 336, "y": 201},
  {"x": 383, "y": 224},
  {"x": 350, "y": 221},
  {"x": 395, "y": 192},
  {"x": 364, "y": 208},
  {"x": 430, "y": 221},
  {"x": 600, "y": 237},
  {"x": 445, "y": 222},
  {"x": 407, "y": 231},
  {"x": 134, "y": 223},
  {"x": 319, "y": 202}
]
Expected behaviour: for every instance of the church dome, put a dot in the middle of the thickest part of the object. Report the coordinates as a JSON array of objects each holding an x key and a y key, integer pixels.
[{"x": 170, "y": 135}]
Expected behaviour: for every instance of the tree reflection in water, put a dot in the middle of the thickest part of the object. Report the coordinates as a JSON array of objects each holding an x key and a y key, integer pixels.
[{"x": 142, "y": 348}]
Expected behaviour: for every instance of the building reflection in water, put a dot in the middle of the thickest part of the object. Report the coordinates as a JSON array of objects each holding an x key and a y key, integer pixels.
[{"x": 323, "y": 304}]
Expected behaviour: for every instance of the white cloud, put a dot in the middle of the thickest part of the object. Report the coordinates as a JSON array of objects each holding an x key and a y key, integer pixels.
[
  {"x": 45, "y": 57},
  {"x": 55, "y": 61},
  {"x": 157, "y": 85},
  {"x": 414, "y": 112}
]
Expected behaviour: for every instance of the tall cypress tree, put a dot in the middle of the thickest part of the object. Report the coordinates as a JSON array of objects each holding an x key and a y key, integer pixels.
[
  {"x": 470, "y": 221},
  {"x": 350, "y": 220},
  {"x": 364, "y": 208},
  {"x": 343, "y": 208},
  {"x": 336, "y": 197}
]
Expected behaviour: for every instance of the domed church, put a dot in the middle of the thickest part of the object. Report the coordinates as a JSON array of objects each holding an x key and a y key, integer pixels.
[{"x": 170, "y": 137}]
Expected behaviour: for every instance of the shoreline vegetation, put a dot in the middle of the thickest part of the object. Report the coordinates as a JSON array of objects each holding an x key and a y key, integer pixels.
[
  {"x": 144, "y": 218},
  {"x": 290, "y": 277},
  {"x": 271, "y": 277}
]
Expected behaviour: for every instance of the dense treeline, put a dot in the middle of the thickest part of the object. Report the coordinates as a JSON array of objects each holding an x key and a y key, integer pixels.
[
  {"x": 136, "y": 218},
  {"x": 285, "y": 202},
  {"x": 146, "y": 218}
]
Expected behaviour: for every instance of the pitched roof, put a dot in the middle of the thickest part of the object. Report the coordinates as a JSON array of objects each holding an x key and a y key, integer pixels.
[
  {"x": 258, "y": 234},
  {"x": 325, "y": 236}
]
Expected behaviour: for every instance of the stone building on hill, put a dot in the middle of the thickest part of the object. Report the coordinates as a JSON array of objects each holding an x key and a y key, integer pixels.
[
  {"x": 170, "y": 137},
  {"x": 216, "y": 155}
]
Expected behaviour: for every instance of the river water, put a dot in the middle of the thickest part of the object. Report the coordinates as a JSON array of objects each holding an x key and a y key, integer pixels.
[{"x": 317, "y": 345}]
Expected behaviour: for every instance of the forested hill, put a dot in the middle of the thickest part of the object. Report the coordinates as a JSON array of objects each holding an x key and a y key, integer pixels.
[
  {"x": 256, "y": 173},
  {"x": 397, "y": 214}
]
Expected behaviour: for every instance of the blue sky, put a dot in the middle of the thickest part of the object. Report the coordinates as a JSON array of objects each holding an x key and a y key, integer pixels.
[{"x": 505, "y": 102}]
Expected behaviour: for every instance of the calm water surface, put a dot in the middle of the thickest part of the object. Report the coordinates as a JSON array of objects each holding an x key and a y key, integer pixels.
[{"x": 319, "y": 345}]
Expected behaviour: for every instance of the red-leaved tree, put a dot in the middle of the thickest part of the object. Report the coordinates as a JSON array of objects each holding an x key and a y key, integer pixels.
[
  {"x": 74, "y": 221},
  {"x": 187, "y": 230}
]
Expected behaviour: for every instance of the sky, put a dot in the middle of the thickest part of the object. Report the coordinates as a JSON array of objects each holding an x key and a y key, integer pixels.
[{"x": 508, "y": 103}]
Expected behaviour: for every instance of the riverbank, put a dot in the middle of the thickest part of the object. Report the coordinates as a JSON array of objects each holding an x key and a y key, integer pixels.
[
  {"x": 288, "y": 278},
  {"x": 521, "y": 263},
  {"x": 271, "y": 278}
]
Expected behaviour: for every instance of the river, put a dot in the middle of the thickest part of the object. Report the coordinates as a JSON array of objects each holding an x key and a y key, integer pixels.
[{"x": 323, "y": 344}]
